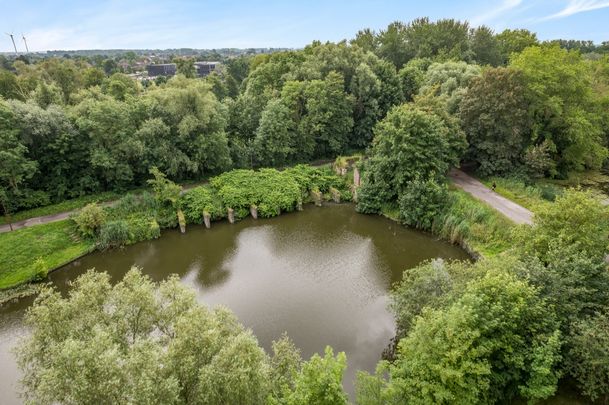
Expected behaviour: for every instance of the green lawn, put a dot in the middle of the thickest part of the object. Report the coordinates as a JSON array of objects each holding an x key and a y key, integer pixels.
[
  {"x": 68, "y": 205},
  {"x": 55, "y": 243}
]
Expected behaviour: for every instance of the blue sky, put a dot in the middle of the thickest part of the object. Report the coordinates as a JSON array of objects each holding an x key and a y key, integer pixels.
[{"x": 102, "y": 24}]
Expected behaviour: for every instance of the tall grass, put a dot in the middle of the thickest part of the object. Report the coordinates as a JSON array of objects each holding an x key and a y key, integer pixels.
[
  {"x": 531, "y": 196},
  {"x": 474, "y": 224}
]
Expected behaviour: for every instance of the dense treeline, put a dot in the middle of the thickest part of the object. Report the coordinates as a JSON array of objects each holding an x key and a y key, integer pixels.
[{"x": 72, "y": 127}]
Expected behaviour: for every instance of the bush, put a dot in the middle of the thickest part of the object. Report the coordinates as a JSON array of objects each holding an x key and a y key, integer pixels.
[
  {"x": 32, "y": 199},
  {"x": 270, "y": 190},
  {"x": 89, "y": 220},
  {"x": 142, "y": 228},
  {"x": 40, "y": 270},
  {"x": 589, "y": 356},
  {"x": 421, "y": 202},
  {"x": 199, "y": 200},
  {"x": 113, "y": 234}
]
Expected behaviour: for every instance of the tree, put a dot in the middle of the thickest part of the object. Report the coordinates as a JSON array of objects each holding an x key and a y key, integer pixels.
[
  {"x": 515, "y": 41},
  {"x": 449, "y": 80},
  {"x": 93, "y": 77},
  {"x": 495, "y": 116},
  {"x": 328, "y": 120},
  {"x": 496, "y": 341},
  {"x": 90, "y": 219},
  {"x": 186, "y": 67},
  {"x": 65, "y": 74},
  {"x": 421, "y": 202},
  {"x": 409, "y": 143},
  {"x": 576, "y": 220},
  {"x": 276, "y": 136},
  {"x": 366, "y": 39},
  {"x": 9, "y": 86},
  {"x": 137, "y": 342},
  {"x": 485, "y": 46},
  {"x": 411, "y": 78},
  {"x": 15, "y": 167},
  {"x": 589, "y": 356},
  {"x": 320, "y": 381},
  {"x": 286, "y": 364},
  {"x": 562, "y": 106},
  {"x": 392, "y": 44},
  {"x": 366, "y": 88},
  {"x": 120, "y": 86},
  {"x": 47, "y": 94},
  {"x": 165, "y": 190}
]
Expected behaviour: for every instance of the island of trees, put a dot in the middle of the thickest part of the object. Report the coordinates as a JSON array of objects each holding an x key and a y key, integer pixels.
[{"x": 415, "y": 99}]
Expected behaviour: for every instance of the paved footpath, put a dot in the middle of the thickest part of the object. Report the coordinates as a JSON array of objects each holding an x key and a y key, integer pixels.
[
  {"x": 510, "y": 209},
  {"x": 62, "y": 215}
]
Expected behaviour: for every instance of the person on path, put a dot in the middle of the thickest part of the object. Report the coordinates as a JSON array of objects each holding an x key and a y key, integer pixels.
[{"x": 494, "y": 186}]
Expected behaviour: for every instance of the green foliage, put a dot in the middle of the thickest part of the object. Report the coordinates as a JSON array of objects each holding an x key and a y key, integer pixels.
[
  {"x": 495, "y": 341},
  {"x": 430, "y": 285},
  {"x": 120, "y": 86},
  {"x": 275, "y": 142},
  {"x": 199, "y": 200},
  {"x": 40, "y": 270},
  {"x": 138, "y": 342},
  {"x": 89, "y": 220},
  {"x": 469, "y": 221},
  {"x": 421, "y": 202},
  {"x": 562, "y": 105},
  {"x": 113, "y": 233},
  {"x": 268, "y": 189},
  {"x": 495, "y": 116},
  {"x": 409, "y": 143},
  {"x": 286, "y": 364},
  {"x": 589, "y": 356},
  {"x": 576, "y": 220},
  {"x": 165, "y": 191},
  {"x": 320, "y": 381},
  {"x": 449, "y": 80},
  {"x": 515, "y": 41}
]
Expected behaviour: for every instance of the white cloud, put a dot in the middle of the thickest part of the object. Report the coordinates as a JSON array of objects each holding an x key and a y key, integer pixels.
[
  {"x": 578, "y": 6},
  {"x": 505, "y": 6}
]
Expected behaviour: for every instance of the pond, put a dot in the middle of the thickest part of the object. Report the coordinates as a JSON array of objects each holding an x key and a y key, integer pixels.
[{"x": 321, "y": 275}]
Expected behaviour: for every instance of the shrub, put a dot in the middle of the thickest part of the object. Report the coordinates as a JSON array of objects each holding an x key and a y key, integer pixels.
[
  {"x": 199, "y": 200},
  {"x": 421, "y": 202},
  {"x": 40, "y": 270},
  {"x": 589, "y": 356},
  {"x": 270, "y": 190},
  {"x": 142, "y": 228},
  {"x": 89, "y": 219},
  {"x": 113, "y": 234}
]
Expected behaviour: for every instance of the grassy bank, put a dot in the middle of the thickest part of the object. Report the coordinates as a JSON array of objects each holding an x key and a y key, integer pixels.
[
  {"x": 470, "y": 223},
  {"x": 55, "y": 244}
]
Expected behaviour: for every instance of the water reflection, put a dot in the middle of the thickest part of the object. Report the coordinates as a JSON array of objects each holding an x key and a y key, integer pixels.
[{"x": 321, "y": 275}]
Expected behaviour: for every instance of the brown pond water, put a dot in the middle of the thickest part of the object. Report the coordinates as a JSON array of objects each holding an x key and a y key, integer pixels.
[{"x": 321, "y": 275}]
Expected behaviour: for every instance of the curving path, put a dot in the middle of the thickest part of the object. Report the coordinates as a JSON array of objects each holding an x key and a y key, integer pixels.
[{"x": 510, "y": 209}]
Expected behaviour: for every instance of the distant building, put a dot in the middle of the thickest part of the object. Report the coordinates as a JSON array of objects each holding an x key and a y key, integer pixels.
[
  {"x": 161, "y": 69},
  {"x": 205, "y": 68}
]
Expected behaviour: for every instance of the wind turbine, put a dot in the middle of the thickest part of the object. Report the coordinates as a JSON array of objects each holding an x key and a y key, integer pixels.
[
  {"x": 25, "y": 42},
  {"x": 13, "y": 39}
]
